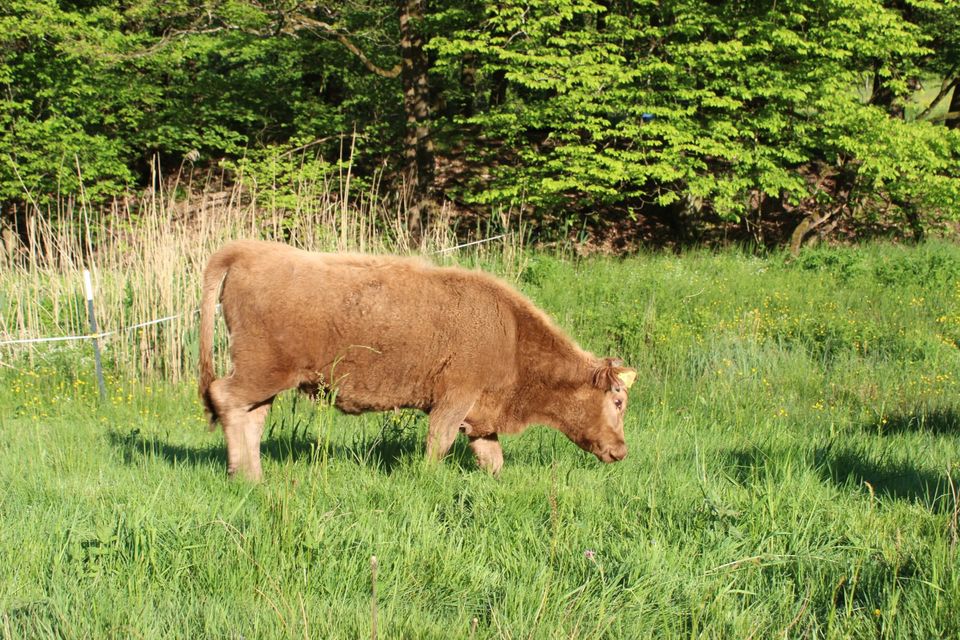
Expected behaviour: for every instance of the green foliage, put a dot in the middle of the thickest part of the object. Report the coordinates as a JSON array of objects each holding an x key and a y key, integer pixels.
[
  {"x": 940, "y": 22},
  {"x": 742, "y": 97},
  {"x": 574, "y": 107},
  {"x": 96, "y": 90},
  {"x": 913, "y": 162},
  {"x": 61, "y": 106},
  {"x": 290, "y": 179}
]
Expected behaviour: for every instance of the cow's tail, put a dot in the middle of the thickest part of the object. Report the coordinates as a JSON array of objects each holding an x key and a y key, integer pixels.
[{"x": 213, "y": 276}]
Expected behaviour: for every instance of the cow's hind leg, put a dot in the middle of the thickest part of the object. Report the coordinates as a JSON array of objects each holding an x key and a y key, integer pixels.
[
  {"x": 242, "y": 419},
  {"x": 488, "y": 452},
  {"x": 253, "y": 434},
  {"x": 445, "y": 420}
]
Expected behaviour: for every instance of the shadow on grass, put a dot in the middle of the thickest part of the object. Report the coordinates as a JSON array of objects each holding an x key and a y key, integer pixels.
[
  {"x": 894, "y": 479},
  {"x": 746, "y": 464},
  {"x": 850, "y": 468},
  {"x": 383, "y": 451},
  {"x": 940, "y": 422}
]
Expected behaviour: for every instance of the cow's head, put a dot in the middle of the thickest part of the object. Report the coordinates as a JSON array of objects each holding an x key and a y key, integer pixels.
[{"x": 598, "y": 406}]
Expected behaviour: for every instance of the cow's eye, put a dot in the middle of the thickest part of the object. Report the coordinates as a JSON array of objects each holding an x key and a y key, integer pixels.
[{"x": 618, "y": 403}]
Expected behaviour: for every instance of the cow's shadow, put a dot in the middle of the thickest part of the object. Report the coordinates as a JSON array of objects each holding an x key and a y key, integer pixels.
[
  {"x": 384, "y": 454},
  {"x": 939, "y": 422},
  {"x": 848, "y": 467},
  {"x": 897, "y": 479}
]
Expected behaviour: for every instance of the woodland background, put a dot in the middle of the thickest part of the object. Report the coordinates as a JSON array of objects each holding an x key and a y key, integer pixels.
[{"x": 623, "y": 122}]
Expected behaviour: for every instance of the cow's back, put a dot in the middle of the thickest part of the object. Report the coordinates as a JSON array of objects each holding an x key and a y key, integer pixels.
[{"x": 384, "y": 332}]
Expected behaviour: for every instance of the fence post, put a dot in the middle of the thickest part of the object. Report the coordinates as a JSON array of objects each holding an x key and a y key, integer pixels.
[
  {"x": 93, "y": 330},
  {"x": 373, "y": 597}
]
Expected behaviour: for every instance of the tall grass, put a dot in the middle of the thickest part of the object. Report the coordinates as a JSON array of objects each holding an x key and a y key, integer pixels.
[
  {"x": 794, "y": 468},
  {"x": 146, "y": 255}
]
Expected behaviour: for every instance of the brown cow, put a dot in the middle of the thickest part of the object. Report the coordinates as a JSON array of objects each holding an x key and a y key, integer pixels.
[{"x": 387, "y": 332}]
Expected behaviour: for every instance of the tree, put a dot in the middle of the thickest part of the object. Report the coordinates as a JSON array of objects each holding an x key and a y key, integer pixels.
[
  {"x": 940, "y": 22},
  {"x": 715, "y": 106},
  {"x": 412, "y": 69},
  {"x": 61, "y": 105},
  {"x": 418, "y": 147},
  {"x": 108, "y": 86},
  {"x": 580, "y": 109}
]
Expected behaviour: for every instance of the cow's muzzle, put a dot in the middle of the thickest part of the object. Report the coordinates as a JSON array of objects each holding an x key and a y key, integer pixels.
[{"x": 616, "y": 453}]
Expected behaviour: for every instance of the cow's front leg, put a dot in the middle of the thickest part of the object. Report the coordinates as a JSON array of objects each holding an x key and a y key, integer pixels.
[
  {"x": 488, "y": 452},
  {"x": 445, "y": 420}
]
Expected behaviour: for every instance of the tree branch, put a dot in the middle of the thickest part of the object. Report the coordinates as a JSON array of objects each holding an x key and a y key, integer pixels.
[
  {"x": 297, "y": 22},
  {"x": 169, "y": 38},
  {"x": 287, "y": 22},
  {"x": 945, "y": 88},
  {"x": 952, "y": 115}
]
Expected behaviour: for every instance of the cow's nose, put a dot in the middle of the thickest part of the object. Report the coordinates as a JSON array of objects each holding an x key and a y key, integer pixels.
[{"x": 615, "y": 453}]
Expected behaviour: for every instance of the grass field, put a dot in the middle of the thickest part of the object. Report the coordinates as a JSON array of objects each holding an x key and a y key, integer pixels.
[{"x": 794, "y": 469}]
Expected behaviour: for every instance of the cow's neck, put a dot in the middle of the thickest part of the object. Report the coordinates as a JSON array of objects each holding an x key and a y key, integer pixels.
[
  {"x": 549, "y": 405},
  {"x": 546, "y": 392},
  {"x": 544, "y": 350},
  {"x": 551, "y": 367}
]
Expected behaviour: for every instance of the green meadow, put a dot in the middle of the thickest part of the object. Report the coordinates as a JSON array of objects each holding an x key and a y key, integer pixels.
[{"x": 794, "y": 471}]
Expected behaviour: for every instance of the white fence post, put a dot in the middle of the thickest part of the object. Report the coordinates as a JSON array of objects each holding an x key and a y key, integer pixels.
[{"x": 93, "y": 330}]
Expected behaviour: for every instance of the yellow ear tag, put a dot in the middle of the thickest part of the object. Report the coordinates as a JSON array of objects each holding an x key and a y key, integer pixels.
[{"x": 627, "y": 378}]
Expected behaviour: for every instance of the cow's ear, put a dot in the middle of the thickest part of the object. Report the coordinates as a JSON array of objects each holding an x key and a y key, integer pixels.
[{"x": 612, "y": 375}]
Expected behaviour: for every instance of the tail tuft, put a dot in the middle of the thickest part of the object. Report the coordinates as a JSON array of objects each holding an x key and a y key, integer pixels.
[{"x": 213, "y": 277}]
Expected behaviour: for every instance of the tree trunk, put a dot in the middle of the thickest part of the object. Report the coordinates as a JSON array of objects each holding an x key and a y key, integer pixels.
[
  {"x": 417, "y": 145},
  {"x": 468, "y": 83},
  {"x": 821, "y": 223},
  {"x": 498, "y": 90},
  {"x": 954, "y": 110},
  {"x": 911, "y": 215},
  {"x": 882, "y": 95}
]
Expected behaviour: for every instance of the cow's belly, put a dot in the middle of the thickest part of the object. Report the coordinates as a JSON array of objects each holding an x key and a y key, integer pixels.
[
  {"x": 355, "y": 405},
  {"x": 358, "y": 387}
]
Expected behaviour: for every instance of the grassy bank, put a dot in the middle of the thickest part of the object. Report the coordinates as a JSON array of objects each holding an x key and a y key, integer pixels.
[{"x": 793, "y": 472}]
